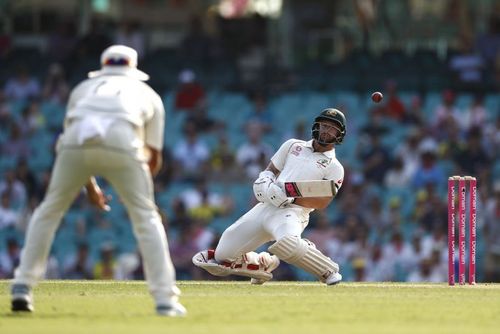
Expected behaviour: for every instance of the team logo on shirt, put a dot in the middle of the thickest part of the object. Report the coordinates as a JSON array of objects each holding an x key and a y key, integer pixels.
[
  {"x": 323, "y": 162},
  {"x": 296, "y": 150}
]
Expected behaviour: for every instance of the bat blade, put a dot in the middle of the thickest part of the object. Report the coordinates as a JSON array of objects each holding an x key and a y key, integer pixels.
[{"x": 313, "y": 188}]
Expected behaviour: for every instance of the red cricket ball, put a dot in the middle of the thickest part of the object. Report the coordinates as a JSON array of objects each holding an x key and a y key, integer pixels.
[{"x": 377, "y": 97}]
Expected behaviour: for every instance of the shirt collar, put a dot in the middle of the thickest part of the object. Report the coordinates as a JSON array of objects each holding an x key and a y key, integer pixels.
[{"x": 330, "y": 154}]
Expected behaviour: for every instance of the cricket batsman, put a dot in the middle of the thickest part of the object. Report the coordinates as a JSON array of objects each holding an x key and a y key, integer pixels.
[{"x": 280, "y": 218}]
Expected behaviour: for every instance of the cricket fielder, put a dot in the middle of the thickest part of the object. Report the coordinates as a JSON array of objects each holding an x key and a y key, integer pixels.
[
  {"x": 114, "y": 129},
  {"x": 280, "y": 218}
]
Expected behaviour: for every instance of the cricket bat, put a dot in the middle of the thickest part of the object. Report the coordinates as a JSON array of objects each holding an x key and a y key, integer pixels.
[{"x": 313, "y": 188}]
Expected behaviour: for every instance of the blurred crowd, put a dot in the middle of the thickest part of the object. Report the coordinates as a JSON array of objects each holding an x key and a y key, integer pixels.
[{"x": 388, "y": 223}]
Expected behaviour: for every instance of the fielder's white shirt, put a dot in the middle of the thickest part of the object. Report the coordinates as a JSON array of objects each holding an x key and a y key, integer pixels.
[
  {"x": 297, "y": 161},
  {"x": 103, "y": 102}
]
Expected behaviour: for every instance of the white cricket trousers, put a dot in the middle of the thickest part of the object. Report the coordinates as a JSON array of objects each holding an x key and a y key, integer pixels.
[
  {"x": 263, "y": 223},
  {"x": 132, "y": 181}
]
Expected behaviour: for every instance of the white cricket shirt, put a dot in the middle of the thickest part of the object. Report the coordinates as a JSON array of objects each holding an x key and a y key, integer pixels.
[
  {"x": 297, "y": 161},
  {"x": 107, "y": 99}
]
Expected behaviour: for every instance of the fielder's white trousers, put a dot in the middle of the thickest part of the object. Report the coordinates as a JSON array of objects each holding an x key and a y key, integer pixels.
[
  {"x": 263, "y": 223},
  {"x": 132, "y": 181}
]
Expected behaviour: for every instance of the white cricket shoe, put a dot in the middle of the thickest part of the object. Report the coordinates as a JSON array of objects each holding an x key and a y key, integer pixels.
[
  {"x": 270, "y": 263},
  {"x": 172, "y": 310},
  {"x": 333, "y": 279},
  {"x": 21, "y": 298},
  {"x": 206, "y": 260}
]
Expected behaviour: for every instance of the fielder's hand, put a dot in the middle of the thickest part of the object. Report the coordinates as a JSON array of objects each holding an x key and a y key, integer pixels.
[
  {"x": 277, "y": 197},
  {"x": 96, "y": 196}
]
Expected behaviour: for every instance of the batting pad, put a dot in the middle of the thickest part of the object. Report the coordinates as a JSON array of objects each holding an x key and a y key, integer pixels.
[{"x": 303, "y": 254}]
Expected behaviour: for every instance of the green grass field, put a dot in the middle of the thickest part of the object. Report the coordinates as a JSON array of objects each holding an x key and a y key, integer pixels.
[{"x": 237, "y": 307}]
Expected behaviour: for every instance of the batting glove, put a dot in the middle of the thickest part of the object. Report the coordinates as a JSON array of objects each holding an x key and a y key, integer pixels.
[
  {"x": 261, "y": 184},
  {"x": 277, "y": 197}
]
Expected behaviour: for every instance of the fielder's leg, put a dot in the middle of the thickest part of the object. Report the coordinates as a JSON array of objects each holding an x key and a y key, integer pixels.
[
  {"x": 133, "y": 182},
  {"x": 68, "y": 177}
]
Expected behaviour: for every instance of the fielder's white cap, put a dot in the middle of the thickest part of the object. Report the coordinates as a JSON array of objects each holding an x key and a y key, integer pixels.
[{"x": 119, "y": 60}]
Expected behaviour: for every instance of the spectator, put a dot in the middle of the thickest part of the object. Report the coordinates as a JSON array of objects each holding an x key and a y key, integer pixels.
[
  {"x": 222, "y": 159},
  {"x": 374, "y": 214},
  {"x": 203, "y": 123},
  {"x": 190, "y": 93},
  {"x": 9, "y": 216},
  {"x": 55, "y": 87},
  {"x": 16, "y": 146},
  {"x": 191, "y": 154},
  {"x": 260, "y": 112},
  {"x": 13, "y": 188},
  {"x": 376, "y": 158},
  {"x": 429, "y": 211},
  {"x": 338, "y": 246},
  {"x": 435, "y": 240},
  {"x": 376, "y": 124},
  {"x": 414, "y": 114},
  {"x": 393, "y": 216},
  {"x": 473, "y": 159},
  {"x": 418, "y": 249},
  {"x": 446, "y": 112},
  {"x": 452, "y": 144},
  {"x": 182, "y": 249},
  {"x": 360, "y": 247},
  {"x": 394, "y": 107},
  {"x": 9, "y": 259},
  {"x": 22, "y": 86},
  {"x": 399, "y": 252},
  {"x": 300, "y": 131},
  {"x": 79, "y": 265},
  {"x": 427, "y": 271},
  {"x": 203, "y": 204},
  {"x": 105, "y": 267},
  {"x": 180, "y": 215},
  {"x": 408, "y": 151},
  {"x": 5, "y": 113},
  {"x": 397, "y": 176},
  {"x": 27, "y": 178},
  {"x": 31, "y": 119},
  {"x": 475, "y": 115},
  {"x": 254, "y": 154},
  {"x": 429, "y": 172},
  {"x": 380, "y": 266}
]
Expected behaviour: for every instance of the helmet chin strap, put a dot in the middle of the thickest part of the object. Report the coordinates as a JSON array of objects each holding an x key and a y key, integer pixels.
[{"x": 323, "y": 143}]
